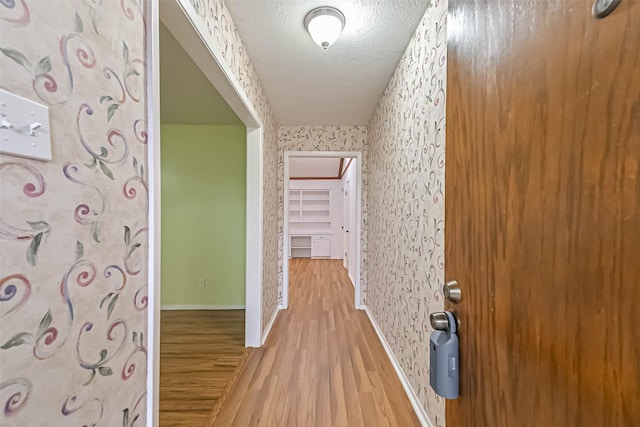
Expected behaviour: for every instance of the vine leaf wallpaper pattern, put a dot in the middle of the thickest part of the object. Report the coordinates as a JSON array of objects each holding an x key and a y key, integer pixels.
[
  {"x": 73, "y": 231},
  {"x": 406, "y": 184},
  {"x": 215, "y": 25}
]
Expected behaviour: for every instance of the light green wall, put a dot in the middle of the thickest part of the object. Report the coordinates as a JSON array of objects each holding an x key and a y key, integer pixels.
[{"x": 203, "y": 214}]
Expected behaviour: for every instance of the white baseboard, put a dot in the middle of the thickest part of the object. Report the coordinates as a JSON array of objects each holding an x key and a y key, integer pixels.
[
  {"x": 270, "y": 325},
  {"x": 202, "y": 307},
  {"x": 411, "y": 394}
]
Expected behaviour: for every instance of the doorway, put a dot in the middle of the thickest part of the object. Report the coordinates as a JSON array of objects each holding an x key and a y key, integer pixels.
[
  {"x": 346, "y": 220},
  {"x": 203, "y": 199},
  {"x": 314, "y": 214},
  {"x": 350, "y": 219},
  {"x": 175, "y": 16}
]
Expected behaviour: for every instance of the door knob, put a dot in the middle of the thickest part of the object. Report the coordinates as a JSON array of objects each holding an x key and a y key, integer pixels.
[{"x": 452, "y": 291}]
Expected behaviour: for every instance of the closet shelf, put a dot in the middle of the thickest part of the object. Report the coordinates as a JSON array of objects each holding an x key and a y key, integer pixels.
[{"x": 309, "y": 218}]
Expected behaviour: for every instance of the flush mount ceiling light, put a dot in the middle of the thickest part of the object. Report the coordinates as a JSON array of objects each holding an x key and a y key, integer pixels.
[{"x": 324, "y": 24}]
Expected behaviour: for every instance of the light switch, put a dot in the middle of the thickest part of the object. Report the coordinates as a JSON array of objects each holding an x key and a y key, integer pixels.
[{"x": 24, "y": 127}]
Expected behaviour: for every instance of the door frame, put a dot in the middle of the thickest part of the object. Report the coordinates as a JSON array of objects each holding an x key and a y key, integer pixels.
[
  {"x": 346, "y": 219},
  {"x": 285, "y": 226},
  {"x": 176, "y": 16}
]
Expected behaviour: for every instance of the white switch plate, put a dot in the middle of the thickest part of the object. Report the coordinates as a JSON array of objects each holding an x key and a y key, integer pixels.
[{"x": 17, "y": 115}]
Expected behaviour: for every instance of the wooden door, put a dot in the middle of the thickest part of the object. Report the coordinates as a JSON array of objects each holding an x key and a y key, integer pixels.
[{"x": 543, "y": 212}]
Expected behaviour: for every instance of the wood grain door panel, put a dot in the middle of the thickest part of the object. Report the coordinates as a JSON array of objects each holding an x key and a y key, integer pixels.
[{"x": 543, "y": 212}]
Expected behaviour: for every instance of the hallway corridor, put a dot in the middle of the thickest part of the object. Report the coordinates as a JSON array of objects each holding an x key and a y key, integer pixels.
[{"x": 322, "y": 364}]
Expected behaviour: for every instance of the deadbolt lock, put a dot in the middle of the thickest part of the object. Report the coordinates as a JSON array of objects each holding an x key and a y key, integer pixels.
[{"x": 452, "y": 291}]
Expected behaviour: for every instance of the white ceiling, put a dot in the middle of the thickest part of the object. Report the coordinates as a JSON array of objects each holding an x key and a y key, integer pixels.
[
  {"x": 186, "y": 95},
  {"x": 314, "y": 167},
  {"x": 338, "y": 86}
]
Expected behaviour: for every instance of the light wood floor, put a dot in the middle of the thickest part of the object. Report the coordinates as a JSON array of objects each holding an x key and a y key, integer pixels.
[
  {"x": 322, "y": 364},
  {"x": 199, "y": 351}
]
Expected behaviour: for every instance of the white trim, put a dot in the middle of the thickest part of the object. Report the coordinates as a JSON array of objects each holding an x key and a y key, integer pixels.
[
  {"x": 411, "y": 394},
  {"x": 285, "y": 227},
  {"x": 202, "y": 307},
  {"x": 285, "y": 236},
  {"x": 254, "y": 250},
  {"x": 270, "y": 325},
  {"x": 358, "y": 296},
  {"x": 153, "y": 161}
]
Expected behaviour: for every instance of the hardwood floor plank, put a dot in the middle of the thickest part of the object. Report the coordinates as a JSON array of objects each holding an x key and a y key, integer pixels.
[
  {"x": 338, "y": 407},
  {"x": 352, "y": 402},
  {"x": 244, "y": 418},
  {"x": 199, "y": 352},
  {"x": 369, "y": 412},
  {"x": 233, "y": 416},
  {"x": 322, "y": 364}
]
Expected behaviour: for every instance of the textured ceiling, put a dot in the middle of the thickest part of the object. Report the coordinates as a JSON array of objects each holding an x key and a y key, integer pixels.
[
  {"x": 341, "y": 85},
  {"x": 186, "y": 95}
]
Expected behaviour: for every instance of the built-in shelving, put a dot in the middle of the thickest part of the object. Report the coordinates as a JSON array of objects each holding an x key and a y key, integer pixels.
[
  {"x": 300, "y": 246},
  {"x": 309, "y": 211},
  {"x": 309, "y": 220}
]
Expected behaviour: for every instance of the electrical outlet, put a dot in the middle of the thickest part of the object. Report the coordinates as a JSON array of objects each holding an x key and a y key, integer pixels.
[{"x": 202, "y": 283}]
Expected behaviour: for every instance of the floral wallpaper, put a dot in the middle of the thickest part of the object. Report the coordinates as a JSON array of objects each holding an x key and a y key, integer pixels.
[
  {"x": 406, "y": 185},
  {"x": 221, "y": 35},
  {"x": 323, "y": 138},
  {"x": 73, "y": 231}
]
